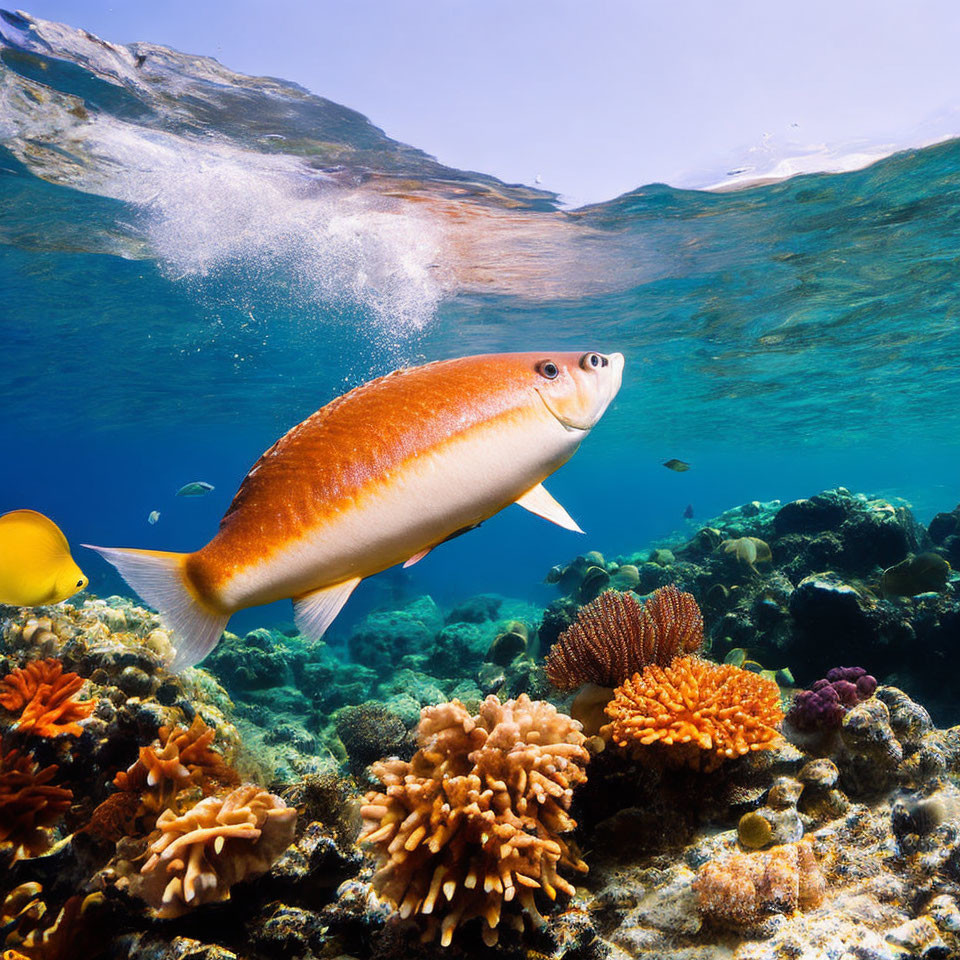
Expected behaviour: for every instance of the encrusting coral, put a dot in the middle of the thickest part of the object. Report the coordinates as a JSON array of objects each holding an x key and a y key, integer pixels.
[
  {"x": 741, "y": 889},
  {"x": 197, "y": 857},
  {"x": 29, "y": 802},
  {"x": 616, "y": 636},
  {"x": 45, "y": 695},
  {"x": 181, "y": 757},
  {"x": 474, "y": 822},
  {"x": 699, "y": 713}
]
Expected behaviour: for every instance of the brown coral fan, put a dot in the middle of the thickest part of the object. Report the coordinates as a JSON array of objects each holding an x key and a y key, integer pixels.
[
  {"x": 181, "y": 757},
  {"x": 474, "y": 821},
  {"x": 45, "y": 694},
  {"x": 616, "y": 636},
  {"x": 741, "y": 889},
  {"x": 703, "y": 712},
  {"x": 197, "y": 857},
  {"x": 29, "y": 802}
]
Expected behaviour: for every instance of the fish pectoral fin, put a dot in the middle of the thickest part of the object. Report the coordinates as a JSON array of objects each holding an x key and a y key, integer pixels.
[
  {"x": 417, "y": 557},
  {"x": 538, "y": 501},
  {"x": 314, "y": 612}
]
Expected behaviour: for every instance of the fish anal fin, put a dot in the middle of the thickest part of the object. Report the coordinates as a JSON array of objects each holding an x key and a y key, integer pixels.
[
  {"x": 417, "y": 557},
  {"x": 538, "y": 501},
  {"x": 161, "y": 580},
  {"x": 313, "y": 612}
]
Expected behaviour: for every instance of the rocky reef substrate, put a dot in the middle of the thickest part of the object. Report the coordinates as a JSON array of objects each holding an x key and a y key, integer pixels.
[{"x": 216, "y": 814}]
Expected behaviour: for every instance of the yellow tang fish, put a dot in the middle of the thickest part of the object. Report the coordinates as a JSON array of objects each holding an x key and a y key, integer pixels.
[
  {"x": 35, "y": 562},
  {"x": 377, "y": 477}
]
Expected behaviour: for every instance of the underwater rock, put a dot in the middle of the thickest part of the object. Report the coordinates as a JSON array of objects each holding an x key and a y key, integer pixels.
[
  {"x": 509, "y": 643},
  {"x": 917, "y": 574},
  {"x": 457, "y": 650},
  {"x": 478, "y": 609},
  {"x": 382, "y": 639},
  {"x": 824, "y": 511},
  {"x": 369, "y": 732},
  {"x": 259, "y": 660},
  {"x": 872, "y": 753}
]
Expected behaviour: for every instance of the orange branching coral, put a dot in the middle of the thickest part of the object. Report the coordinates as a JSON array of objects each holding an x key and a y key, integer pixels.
[
  {"x": 45, "y": 694},
  {"x": 29, "y": 802},
  {"x": 741, "y": 889},
  {"x": 197, "y": 857},
  {"x": 702, "y": 712},
  {"x": 473, "y": 823},
  {"x": 616, "y": 636},
  {"x": 181, "y": 757}
]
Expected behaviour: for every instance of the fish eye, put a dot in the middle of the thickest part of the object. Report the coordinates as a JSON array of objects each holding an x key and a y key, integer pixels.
[
  {"x": 594, "y": 360},
  {"x": 548, "y": 369},
  {"x": 79, "y": 583}
]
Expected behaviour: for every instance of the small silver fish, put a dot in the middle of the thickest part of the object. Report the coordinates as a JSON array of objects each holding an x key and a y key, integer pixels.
[
  {"x": 196, "y": 489},
  {"x": 153, "y": 517}
]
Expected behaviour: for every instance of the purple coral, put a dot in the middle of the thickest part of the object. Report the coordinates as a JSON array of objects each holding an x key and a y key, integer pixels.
[{"x": 825, "y": 704}]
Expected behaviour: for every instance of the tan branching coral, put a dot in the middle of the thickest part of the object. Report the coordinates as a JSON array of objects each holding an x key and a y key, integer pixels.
[
  {"x": 44, "y": 696},
  {"x": 473, "y": 824},
  {"x": 616, "y": 636},
  {"x": 180, "y": 758},
  {"x": 696, "y": 712},
  {"x": 741, "y": 889},
  {"x": 29, "y": 803},
  {"x": 197, "y": 857}
]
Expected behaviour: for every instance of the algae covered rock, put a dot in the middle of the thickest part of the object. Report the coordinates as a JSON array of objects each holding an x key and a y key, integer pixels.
[{"x": 383, "y": 638}]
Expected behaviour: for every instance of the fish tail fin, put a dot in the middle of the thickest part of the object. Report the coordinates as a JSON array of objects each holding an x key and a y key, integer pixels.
[{"x": 161, "y": 579}]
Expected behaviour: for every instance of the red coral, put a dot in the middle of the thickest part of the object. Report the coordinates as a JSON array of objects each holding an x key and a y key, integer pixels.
[
  {"x": 615, "y": 636},
  {"x": 28, "y": 803},
  {"x": 45, "y": 694}
]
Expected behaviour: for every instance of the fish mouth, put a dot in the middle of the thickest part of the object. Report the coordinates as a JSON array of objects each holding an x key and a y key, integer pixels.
[{"x": 566, "y": 424}]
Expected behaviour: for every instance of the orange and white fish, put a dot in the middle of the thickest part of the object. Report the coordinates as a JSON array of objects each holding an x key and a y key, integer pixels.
[{"x": 377, "y": 477}]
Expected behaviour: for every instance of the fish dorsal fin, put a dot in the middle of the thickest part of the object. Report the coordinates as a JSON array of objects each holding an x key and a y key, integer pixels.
[
  {"x": 417, "y": 557},
  {"x": 313, "y": 612},
  {"x": 538, "y": 501}
]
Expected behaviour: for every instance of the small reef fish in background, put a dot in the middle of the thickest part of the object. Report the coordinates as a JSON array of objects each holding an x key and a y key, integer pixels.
[
  {"x": 688, "y": 513},
  {"x": 35, "y": 562},
  {"x": 153, "y": 517},
  {"x": 678, "y": 466},
  {"x": 197, "y": 488},
  {"x": 377, "y": 477}
]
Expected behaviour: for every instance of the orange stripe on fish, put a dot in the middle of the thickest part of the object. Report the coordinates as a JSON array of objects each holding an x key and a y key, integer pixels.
[{"x": 377, "y": 477}]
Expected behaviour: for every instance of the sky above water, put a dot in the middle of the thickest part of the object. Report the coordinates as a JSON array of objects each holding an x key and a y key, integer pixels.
[{"x": 592, "y": 98}]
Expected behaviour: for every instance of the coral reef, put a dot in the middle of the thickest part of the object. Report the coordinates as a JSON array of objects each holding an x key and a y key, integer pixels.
[
  {"x": 217, "y": 843},
  {"x": 44, "y": 697},
  {"x": 707, "y": 834},
  {"x": 696, "y": 712},
  {"x": 29, "y": 802},
  {"x": 473, "y": 824},
  {"x": 826, "y": 703},
  {"x": 615, "y": 636},
  {"x": 180, "y": 757}
]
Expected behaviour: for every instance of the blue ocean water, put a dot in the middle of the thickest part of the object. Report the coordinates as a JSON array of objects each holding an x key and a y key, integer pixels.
[{"x": 192, "y": 261}]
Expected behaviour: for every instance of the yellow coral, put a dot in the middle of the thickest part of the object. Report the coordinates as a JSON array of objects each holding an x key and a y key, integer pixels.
[
  {"x": 473, "y": 823},
  {"x": 701, "y": 713},
  {"x": 196, "y": 858}
]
